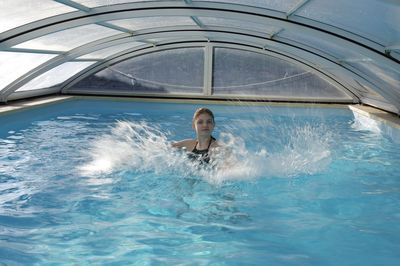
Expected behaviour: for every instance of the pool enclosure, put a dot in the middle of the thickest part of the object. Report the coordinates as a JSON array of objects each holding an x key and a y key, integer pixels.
[{"x": 288, "y": 50}]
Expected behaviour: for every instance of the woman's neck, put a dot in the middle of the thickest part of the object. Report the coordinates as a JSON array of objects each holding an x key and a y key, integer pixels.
[{"x": 203, "y": 142}]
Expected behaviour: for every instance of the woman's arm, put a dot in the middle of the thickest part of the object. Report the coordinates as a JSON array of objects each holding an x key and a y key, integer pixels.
[{"x": 187, "y": 143}]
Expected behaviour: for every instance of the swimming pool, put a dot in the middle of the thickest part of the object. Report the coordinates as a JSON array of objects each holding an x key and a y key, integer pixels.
[{"x": 95, "y": 181}]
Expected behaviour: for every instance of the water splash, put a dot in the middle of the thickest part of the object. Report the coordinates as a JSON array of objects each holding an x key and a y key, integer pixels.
[
  {"x": 306, "y": 151},
  {"x": 130, "y": 145},
  {"x": 141, "y": 147},
  {"x": 365, "y": 123}
]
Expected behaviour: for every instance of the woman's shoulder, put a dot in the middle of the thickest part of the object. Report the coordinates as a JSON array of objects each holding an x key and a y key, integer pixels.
[
  {"x": 186, "y": 143},
  {"x": 215, "y": 144}
]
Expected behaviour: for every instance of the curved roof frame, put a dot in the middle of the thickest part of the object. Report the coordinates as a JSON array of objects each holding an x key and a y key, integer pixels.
[
  {"x": 124, "y": 55},
  {"x": 60, "y": 60},
  {"x": 289, "y": 16},
  {"x": 183, "y": 36},
  {"x": 291, "y": 55},
  {"x": 101, "y": 15}
]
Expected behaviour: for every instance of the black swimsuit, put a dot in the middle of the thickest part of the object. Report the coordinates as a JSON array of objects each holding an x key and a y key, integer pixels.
[{"x": 201, "y": 155}]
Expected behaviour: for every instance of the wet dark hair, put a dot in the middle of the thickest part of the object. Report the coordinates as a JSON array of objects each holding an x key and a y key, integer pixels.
[{"x": 203, "y": 110}]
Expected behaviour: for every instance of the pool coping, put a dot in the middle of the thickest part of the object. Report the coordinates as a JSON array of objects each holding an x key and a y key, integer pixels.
[
  {"x": 241, "y": 102},
  {"x": 32, "y": 103},
  {"x": 377, "y": 114},
  {"x": 365, "y": 110}
]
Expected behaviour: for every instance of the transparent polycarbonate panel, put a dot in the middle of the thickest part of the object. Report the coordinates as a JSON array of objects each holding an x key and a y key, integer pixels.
[
  {"x": 279, "y": 5},
  {"x": 55, "y": 76},
  {"x": 136, "y": 24},
  {"x": 66, "y": 40},
  {"x": 369, "y": 92},
  {"x": 104, "y": 53},
  {"x": 13, "y": 65},
  {"x": 14, "y": 13},
  {"x": 97, "y": 3},
  {"x": 238, "y": 72},
  {"x": 377, "y": 20},
  {"x": 381, "y": 105},
  {"x": 337, "y": 50},
  {"x": 245, "y": 25},
  {"x": 373, "y": 98},
  {"x": 380, "y": 72},
  {"x": 171, "y": 71}
]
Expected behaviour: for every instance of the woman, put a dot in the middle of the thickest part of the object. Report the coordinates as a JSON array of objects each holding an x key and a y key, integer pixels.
[{"x": 202, "y": 147}]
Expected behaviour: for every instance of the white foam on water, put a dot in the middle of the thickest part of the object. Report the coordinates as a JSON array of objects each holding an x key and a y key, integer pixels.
[
  {"x": 133, "y": 145},
  {"x": 141, "y": 147},
  {"x": 365, "y": 123},
  {"x": 307, "y": 152}
]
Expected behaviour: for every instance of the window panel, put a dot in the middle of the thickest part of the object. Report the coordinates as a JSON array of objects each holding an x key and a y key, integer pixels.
[
  {"x": 97, "y": 3},
  {"x": 375, "y": 99},
  {"x": 55, "y": 76},
  {"x": 222, "y": 22},
  {"x": 13, "y": 65},
  {"x": 104, "y": 53},
  {"x": 368, "y": 92},
  {"x": 171, "y": 71},
  {"x": 136, "y": 24},
  {"x": 324, "y": 46},
  {"x": 68, "y": 39},
  {"x": 19, "y": 12},
  {"x": 378, "y": 71},
  {"x": 373, "y": 19},
  {"x": 279, "y": 5},
  {"x": 238, "y": 72}
]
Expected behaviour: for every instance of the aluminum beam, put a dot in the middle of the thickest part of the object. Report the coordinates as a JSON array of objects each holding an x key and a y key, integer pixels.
[
  {"x": 208, "y": 69},
  {"x": 296, "y": 8}
]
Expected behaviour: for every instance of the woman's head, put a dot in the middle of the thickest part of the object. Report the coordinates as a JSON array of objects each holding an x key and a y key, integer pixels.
[
  {"x": 201, "y": 111},
  {"x": 203, "y": 121}
]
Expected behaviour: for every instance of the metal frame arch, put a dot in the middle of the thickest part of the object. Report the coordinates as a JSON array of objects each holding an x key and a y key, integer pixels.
[
  {"x": 310, "y": 58},
  {"x": 254, "y": 14},
  {"x": 156, "y": 10},
  {"x": 291, "y": 16},
  {"x": 170, "y": 32},
  {"x": 125, "y": 56},
  {"x": 142, "y": 36},
  {"x": 183, "y": 43},
  {"x": 52, "y": 63},
  {"x": 202, "y": 38},
  {"x": 255, "y": 41},
  {"x": 192, "y": 6},
  {"x": 153, "y": 9}
]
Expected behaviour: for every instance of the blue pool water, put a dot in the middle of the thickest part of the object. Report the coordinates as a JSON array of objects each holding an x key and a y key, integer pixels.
[{"x": 95, "y": 182}]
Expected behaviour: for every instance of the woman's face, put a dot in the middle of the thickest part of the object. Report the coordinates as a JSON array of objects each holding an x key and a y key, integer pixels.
[{"x": 203, "y": 125}]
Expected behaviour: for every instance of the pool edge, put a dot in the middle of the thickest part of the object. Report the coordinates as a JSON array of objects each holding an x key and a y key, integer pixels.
[
  {"x": 365, "y": 110},
  {"x": 377, "y": 114},
  {"x": 32, "y": 103},
  {"x": 212, "y": 101}
]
